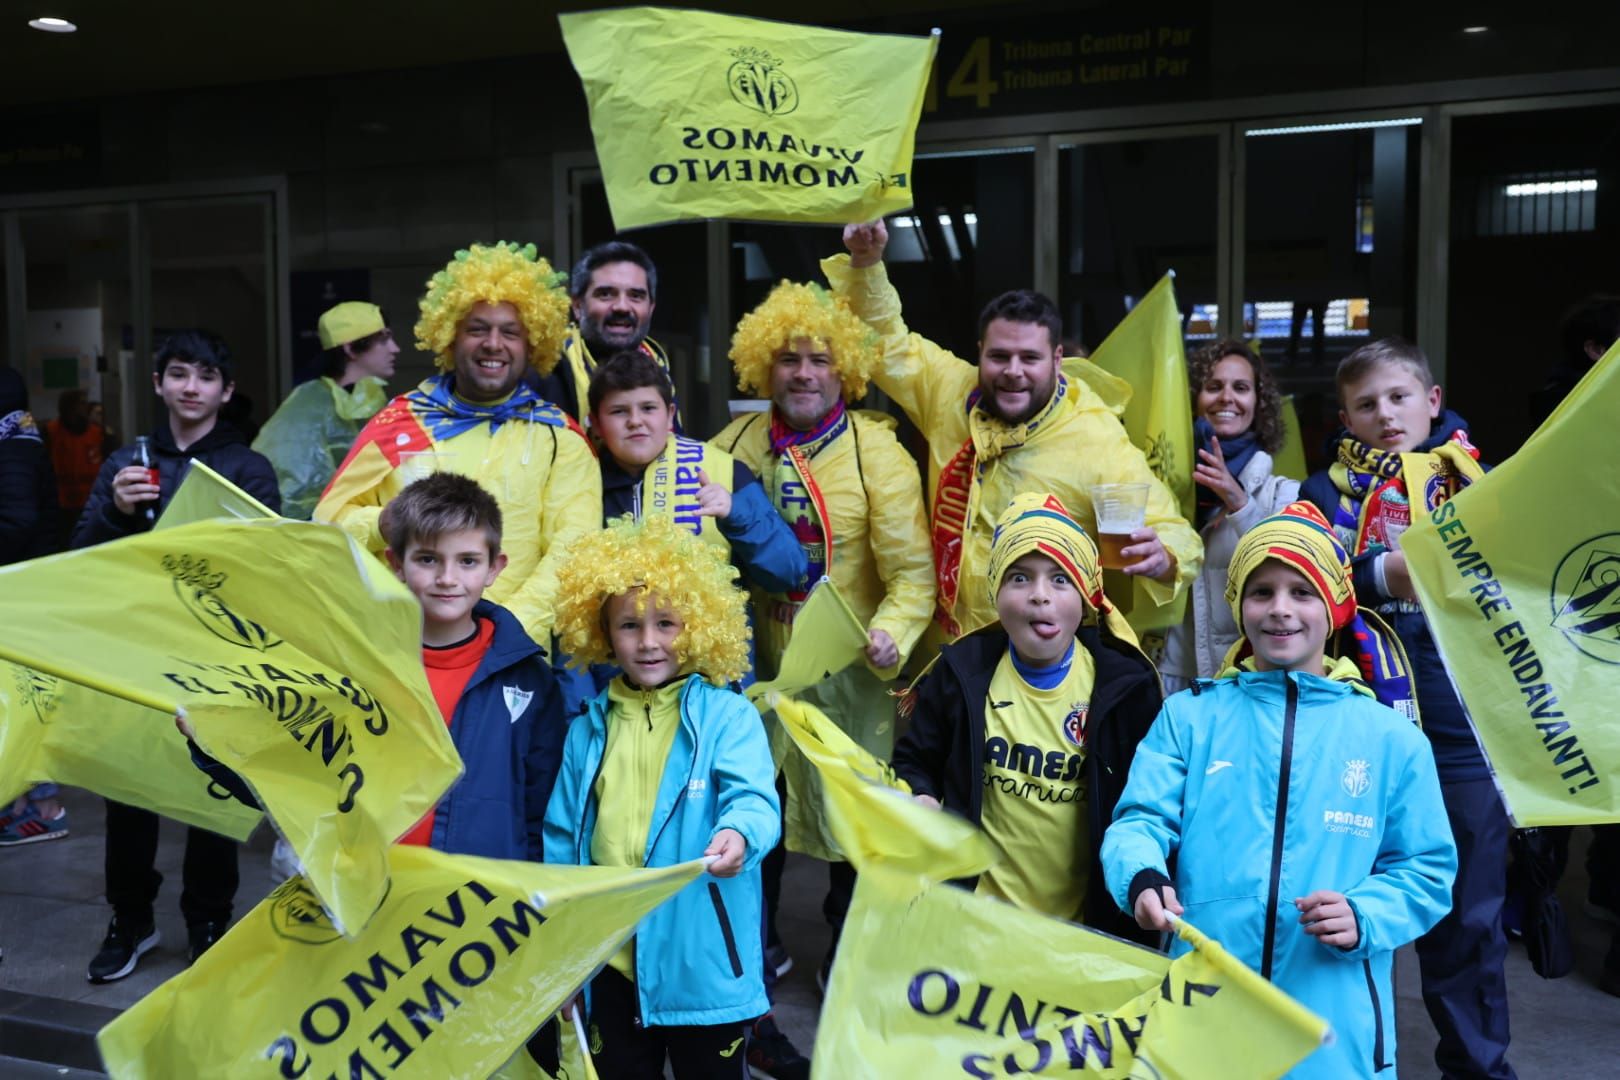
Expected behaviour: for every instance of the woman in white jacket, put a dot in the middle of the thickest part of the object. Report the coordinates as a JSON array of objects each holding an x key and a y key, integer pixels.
[{"x": 1237, "y": 423}]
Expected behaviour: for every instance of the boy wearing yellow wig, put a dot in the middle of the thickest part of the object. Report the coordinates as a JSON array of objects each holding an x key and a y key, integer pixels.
[
  {"x": 1027, "y": 726},
  {"x": 664, "y": 766},
  {"x": 489, "y": 314},
  {"x": 1303, "y": 819}
]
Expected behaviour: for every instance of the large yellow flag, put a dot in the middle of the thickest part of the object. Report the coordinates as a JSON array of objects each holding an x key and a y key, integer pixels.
[
  {"x": 869, "y": 810},
  {"x": 1146, "y": 350},
  {"x": 698, "y": 115},
  {"x": 1519, "y": 576},
  {"x": 935, "y": 981},
  {"x": 465, "y": 960},
  {"x": 293, "y": 654},
  {"x": 153, "y": 773}
]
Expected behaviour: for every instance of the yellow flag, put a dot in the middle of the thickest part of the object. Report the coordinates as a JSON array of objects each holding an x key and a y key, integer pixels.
[
  {"x": 1519, "y": 576},
  {"x": 204, "y": 494},
  {"x": 870, "y": 812},
  {"x": 153, "y": 773},
  {"x": 465, "y": 960},
  {"x": 293, "y": 655},
  {"x": 1290, "y": 457},
  {"x": 939, "y": 982},
  {"x": 698, "y": 115},
  {"x": 827, "y": 637},
  {"x": 1146, "y": 350}
]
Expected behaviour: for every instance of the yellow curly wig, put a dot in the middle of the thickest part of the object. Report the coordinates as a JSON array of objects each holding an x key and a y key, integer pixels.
[
  {"x": 795, "y": 311},
  {"x": 505, "y": 273},
  {"x": 657, "y": 556}
]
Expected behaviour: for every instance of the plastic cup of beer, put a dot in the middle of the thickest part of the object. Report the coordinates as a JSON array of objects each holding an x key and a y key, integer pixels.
[{"x": 1120, "y": 510}]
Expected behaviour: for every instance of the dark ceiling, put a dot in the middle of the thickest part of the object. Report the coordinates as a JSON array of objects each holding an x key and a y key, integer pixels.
[{"x": 125, "y": 47}]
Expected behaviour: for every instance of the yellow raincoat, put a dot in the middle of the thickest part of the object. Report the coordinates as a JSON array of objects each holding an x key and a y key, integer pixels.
[
  {"x": 1081, "y": 444},
  {"x": 534, "y": 460},
  {"x": 881, "y": 565}
]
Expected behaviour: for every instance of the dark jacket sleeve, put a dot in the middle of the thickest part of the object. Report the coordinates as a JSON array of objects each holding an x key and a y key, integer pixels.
[
  {"x": 102, "y": 520},
  {"x": 257, "y": 477},
  {"x": 547, "y": 728},
  {"x": 762, "y": 545},
  {"x": 22, "y": 518},
  {"x": 920, "y": 755}
]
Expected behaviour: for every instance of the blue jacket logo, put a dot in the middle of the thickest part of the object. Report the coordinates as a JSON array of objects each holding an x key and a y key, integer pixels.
[{"x": 1356, "y": 779}]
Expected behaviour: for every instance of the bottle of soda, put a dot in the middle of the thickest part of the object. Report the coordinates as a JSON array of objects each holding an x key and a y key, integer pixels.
[{"x": 143, "y": 457}]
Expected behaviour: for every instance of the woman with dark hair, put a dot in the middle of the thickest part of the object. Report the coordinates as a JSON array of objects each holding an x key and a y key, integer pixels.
[{"x": 1237, "y": 422}]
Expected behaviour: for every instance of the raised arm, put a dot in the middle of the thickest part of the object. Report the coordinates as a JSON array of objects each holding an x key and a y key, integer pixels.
[{"x": 920, "y": 376}]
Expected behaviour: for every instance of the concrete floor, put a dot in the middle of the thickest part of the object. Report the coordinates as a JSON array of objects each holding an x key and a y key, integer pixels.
[{"x": 52, "y": 918}]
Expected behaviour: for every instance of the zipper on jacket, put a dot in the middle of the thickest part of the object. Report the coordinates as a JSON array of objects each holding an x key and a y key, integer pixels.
[
  {"x": 1267, "y": 954},
  {"x": 691, "y": 770},
  {"x": 725, "y": 929},
  {"x": 646, "y": 708},
  {"x": 1379, "y": 1064}
]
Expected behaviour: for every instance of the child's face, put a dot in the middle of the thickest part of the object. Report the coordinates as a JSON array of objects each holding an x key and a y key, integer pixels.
[
  {"x": 1039, "y": 606},
  {"x": 1389, "y": 409},
  {"x": 634, "y": 425},
  {"x": 448, "y": 574},
  {"x": 644, "y": 641},
  {"x": 193, "y": 393},
  {"x": 1284, "y": 619}
]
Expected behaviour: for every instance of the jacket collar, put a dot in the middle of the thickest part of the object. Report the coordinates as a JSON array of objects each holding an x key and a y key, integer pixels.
[{"x": 510, "y": 645}]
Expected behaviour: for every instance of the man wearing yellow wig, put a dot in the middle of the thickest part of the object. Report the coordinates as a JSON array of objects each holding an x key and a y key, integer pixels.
[
  {"x": 485, "y": 317},
  {"x": 1014, "y": 423},
  {"x": 852, "y": 496}
]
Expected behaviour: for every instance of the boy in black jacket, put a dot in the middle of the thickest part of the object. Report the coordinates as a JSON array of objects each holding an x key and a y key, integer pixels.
[
  {"x": 1027, "y": 726},
  {"x": 192, "y": 375}
]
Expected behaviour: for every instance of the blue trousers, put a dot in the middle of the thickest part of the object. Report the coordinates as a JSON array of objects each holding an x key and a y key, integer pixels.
[{"x": 1462, "y": 959}]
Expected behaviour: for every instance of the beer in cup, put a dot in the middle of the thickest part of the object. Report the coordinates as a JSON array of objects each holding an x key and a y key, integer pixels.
[{"x": 1120, "y": 510}]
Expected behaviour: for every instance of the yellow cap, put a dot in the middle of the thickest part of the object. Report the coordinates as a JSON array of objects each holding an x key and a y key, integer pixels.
[{"x": 349, "y": 321}]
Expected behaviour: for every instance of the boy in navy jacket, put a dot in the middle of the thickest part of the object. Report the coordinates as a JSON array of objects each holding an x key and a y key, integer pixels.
[{"x": 492, "y": 683}]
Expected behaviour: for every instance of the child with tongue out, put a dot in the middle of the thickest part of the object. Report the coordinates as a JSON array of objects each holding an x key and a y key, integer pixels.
[{"x": 1027, "y": 726}]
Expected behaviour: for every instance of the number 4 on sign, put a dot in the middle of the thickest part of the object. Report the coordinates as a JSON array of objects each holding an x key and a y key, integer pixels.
[{"x": 972, "y": 76}]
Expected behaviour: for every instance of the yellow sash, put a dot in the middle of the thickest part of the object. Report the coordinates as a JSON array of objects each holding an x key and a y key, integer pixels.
[{"x": 670, "y": 484}]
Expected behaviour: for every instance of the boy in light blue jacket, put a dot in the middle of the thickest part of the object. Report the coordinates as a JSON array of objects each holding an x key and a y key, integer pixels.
[
  {"x": 664, "y": 766},
  {"x": 1304, "y": 818}
]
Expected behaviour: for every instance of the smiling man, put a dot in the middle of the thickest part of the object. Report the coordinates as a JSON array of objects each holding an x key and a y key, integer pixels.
[
  {"x": 1013, "y": 424},
  {"x": 612, "y": 293},
  {"x": 485, "y": 317}
]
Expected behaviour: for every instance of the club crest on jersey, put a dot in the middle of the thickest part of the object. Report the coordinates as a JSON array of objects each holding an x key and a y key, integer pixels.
[
  {"x": 1356, "y": 779},
  {"x": 1074, "y": 725}
]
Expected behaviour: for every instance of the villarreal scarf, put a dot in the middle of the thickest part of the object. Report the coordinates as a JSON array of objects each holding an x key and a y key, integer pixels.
[
  {"x": 670, "y": 484},
  {"x": 1380, "y": 491},
  {"x": 798, "y": 497},
  {"x": 955, "y": 493}
]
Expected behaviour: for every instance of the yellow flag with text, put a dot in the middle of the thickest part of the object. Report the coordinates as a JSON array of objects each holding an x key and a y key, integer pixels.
[
  {"x": 295, "y": 657},
  {"x": 153, "y": 773},
  {"x": 935, "y": 981},
  {"x": 1519, "y": 577},
  {"x": 701, "y": 115},
  {"x": 464, "y": 961},
  {"x": 870, "y": 812},
  {"x": 1146, "y": 350}
]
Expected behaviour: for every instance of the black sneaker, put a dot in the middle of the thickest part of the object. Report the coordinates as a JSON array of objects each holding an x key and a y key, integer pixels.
[
  {"x": 772, "y": 1055},
  {"x": 778, "y": 959},
  {"x": 125, "y": 944},
  {"x": 203, "y": 935}
]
